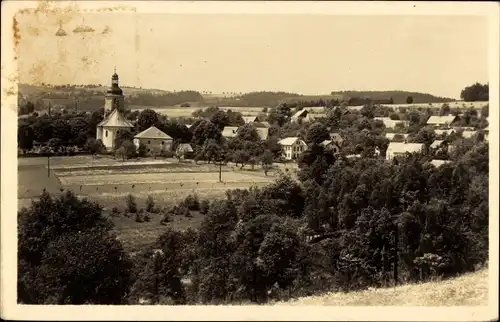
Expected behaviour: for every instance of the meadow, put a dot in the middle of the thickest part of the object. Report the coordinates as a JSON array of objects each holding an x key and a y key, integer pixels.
[
  {"x": 109, "y": 182},
  {"x": 175, "y": 111}
]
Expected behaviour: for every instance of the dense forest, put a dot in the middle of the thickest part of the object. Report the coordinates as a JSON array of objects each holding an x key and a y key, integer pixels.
[{"x": 398, "y": 97}]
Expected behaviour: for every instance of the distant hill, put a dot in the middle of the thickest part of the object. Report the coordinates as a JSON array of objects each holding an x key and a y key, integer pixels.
[{"x": 399, "y": 97}]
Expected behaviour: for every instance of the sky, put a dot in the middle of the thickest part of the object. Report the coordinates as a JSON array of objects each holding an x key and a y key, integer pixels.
[{"x": 308, "y": 54}]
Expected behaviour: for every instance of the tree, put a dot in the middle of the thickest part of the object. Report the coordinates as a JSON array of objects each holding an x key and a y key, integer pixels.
[
  {"x": 68, "y": 255},
  {"x": 61, "y": 130},
  {"x": 79, "y": 130},
  {"x": 122, "y": 137},
  {"x": 205, "y": 130},
  {"x": 267, "y": 160},
  {"x": 147, "y": 118},
  {"x": 409, "y": 100},
  {"x": 220, "y": 119},
  {"x": 445, "y": 110},
  {"x": 317, "y": 133},
  {"x": 25, "y": 137},
  {"x": 475, "y": 92},
  {"x": 94, "y": 146}
]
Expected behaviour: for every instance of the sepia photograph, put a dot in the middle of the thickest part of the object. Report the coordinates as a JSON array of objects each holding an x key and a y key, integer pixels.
[{"x": 249, "y": 161}]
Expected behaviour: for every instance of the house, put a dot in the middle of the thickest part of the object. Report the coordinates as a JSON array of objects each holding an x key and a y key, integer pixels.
[
  {"x": 436, "y": 144},
  {"x": 391, "y": 136},
  {"x": 262, "y": 124},
  {"x": 263, "y": 132},
  {"x": 337, "y": 138},
  {"x": 438, "y": 163},
  {"x": 297, "y": 117},
  {"x": 188, "y": 125},
  {"x": 468, "y": 134},
  {"x": 229, "y": 131},
  {"x": 330, "y": 145},
  {"x": 447, "y": 132},
  {"x": 110, "y": 127},
  {"x": 250, "y": 119},
  {"x": 441, "y": 121},
  {"x": 399, "y": 148},
  {"x": 184, "y": 149},
  {"x": 155, "y": 140},
  {"x": 292, "y": 147},
  {"x": 311, "y": 117},
  {"x": 391, "y": 124}
]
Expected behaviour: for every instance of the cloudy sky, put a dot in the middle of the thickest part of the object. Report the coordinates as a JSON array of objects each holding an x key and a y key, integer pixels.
[{"x": 309, "y": 54}]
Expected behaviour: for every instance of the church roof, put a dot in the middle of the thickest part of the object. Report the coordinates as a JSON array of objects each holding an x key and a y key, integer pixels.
[
  {"x": 115, "y": 119},
  {"x": 152, "y": 133}
]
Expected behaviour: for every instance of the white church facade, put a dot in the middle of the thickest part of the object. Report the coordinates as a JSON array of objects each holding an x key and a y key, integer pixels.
[{"x": 114, "y": 119}]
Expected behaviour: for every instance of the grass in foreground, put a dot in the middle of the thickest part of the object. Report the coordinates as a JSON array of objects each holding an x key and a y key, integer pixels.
[{"x": 467, "y": 290}]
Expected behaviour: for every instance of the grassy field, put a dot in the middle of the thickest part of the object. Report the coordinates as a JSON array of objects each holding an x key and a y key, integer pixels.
[
  {"x": 108, "y": 182},
  {"x": 174, "y": 111},
  {"x": 466, "y": 290}
]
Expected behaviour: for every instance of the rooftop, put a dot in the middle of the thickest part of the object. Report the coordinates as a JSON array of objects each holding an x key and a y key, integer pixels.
[
  {"x": 152, "y": 133},
  {"x": 115, "y": 119}
]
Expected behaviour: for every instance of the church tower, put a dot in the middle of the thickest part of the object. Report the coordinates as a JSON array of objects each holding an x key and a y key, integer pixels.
[{"x": 114, "y": 98}]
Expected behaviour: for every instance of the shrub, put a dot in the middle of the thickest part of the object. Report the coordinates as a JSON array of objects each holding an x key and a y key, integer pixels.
[
  {"x": 115, "y": 212},
  {"x": 131, "y": 204},
  {"x": 204, "y": 206},
  {"x": 166, "y": 218},
  {"x": 150, "y": 204},
  {"x": 139, "y": 217},
  {"x": 147, "y": 217},
  {"x": 192, "y": 202}
]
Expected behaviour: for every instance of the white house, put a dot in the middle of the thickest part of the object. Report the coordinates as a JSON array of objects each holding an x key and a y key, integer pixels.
[
  {"x": 436, "y": 144},
  {"x": 399, "y": 148},
  {"x": 114, "y": 121},
  {"x": 337, "y": 138},
  {"x": 468, "y": 134},
  {"x": 155, "y": 140},
  {"x": 438, "y": 163},
  {"x": 297, "y": 117},
  {"x": 438, "y": 121},
  {"x": 292, "y": 147},
  {"x": 390, "y": 136},
  {"x": 263, "y": 132},
  {"x": 183, "y": 149}
]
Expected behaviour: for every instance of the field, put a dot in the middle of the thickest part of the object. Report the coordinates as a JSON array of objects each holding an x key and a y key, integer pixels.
[
  {"x": 174, "y": 111},
  {"x": 466, "y": 290},
  {"x": 108, "y": 182}
]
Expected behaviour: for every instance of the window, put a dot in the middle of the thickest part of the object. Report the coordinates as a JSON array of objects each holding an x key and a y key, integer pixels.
[
  {"x": 118, "y": 131},
  {"x": 106, "y": 133},
  {"x": 149, "y": 142},
  {"x": 162, "y": 142}
]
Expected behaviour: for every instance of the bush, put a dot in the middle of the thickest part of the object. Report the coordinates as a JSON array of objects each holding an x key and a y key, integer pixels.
[
  {"x": 168, "y": 154},
  {"x": 147, "y": 217},
  {"x": 150, "y": 204},
  {"x": 139, "y": 217},
  {"x": 115, "y": 212},
  {"x": 131, "y": 204},
  {"x": 204, "y": 206},
  {"x": 166, "y": 218},
  {"x": 192, "y": 202}
]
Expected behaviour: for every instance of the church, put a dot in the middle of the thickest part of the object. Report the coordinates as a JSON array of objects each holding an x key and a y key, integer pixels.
[{"x": 114, "y": 118}]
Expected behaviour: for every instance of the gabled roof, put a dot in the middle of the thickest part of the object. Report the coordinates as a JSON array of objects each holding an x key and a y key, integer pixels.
[
  {"x": 388, "y": 123},
  {"x": 436, "y": 144},
  {"x": 115, "y": 119},
  {"x": 300, "y": 113},
  {"x": 249, "y": 119},
  {"x": 400, "y": 147},
  {"x": 262, "y": 124},
  {"x": 326, "y": 143},
  {"x": 153, "y": 133},
  {"x": 391, "y": 136},
  {"x": 336, "y": 137},
  {"x": 229, "y": 131},
  {"x": 188, "y": 125},
  {"x": 290, "y": 141},
  {"x": 263, "y": 132},
  {"x": 184, "y": 147},
  {"x": 438, "y": 163},
  {"x": 441, "y": 120},
  {"x": 468, "y": 134}
]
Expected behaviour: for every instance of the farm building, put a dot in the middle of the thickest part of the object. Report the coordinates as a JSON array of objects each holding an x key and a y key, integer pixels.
[
  {"x": 311, "y": 117},
  {"x": 439, "y": 121},
  {"x": 391, "y": 124},
  {"x": 331, "y": 145},
  {"x": 114, "y": 120},
  {"x": 184, "y": 149},
  {"x": 398, "y": 148},
  {"x": 292, "y": 147},
  {"x": 155, "y": 140},
  {"x": 230, "y": 131}
]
